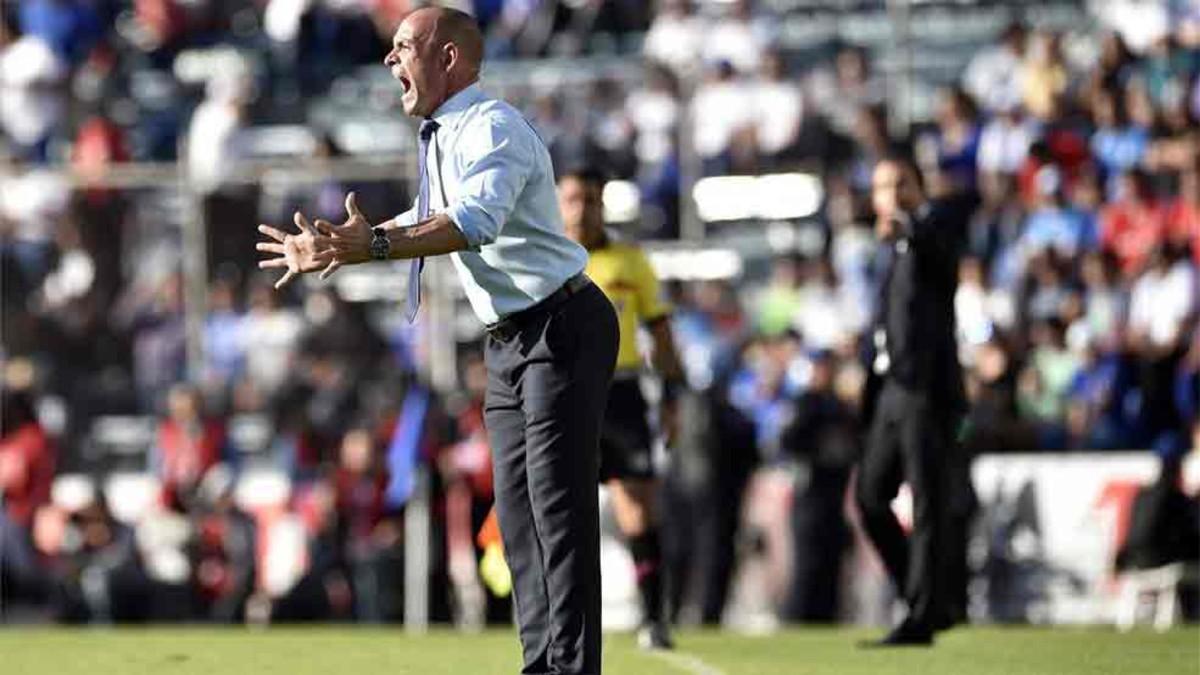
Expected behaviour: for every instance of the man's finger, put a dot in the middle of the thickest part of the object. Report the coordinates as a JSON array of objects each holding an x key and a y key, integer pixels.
[
  {"x": 283, "y": 280},
  {"x": 269, "y": 247},
  {"x": 328, "y": 255},
  {"x": 303, "y": 224},
  {"x": 337, "y": 231},
  {"x": 328, "y": 271},
  {"x": 277, "y": 235},
  {"x": 352, "y": 206},
  {"x": 273, "y": 262},
  {"x": 324, "y": 227}
]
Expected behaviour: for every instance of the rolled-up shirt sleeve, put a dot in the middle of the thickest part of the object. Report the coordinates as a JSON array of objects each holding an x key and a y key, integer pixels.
[{"x": 497, "y": 166}]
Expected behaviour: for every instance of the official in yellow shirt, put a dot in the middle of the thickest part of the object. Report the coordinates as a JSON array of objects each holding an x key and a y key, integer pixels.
[{"x": 623, "y": 272}]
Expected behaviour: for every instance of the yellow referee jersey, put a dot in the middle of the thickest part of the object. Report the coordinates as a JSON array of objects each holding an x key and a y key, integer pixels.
[{"x": 623, "y": 272}]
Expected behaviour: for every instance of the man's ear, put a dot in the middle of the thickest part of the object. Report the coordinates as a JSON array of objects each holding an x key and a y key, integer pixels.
[{"x": 450, "y": 55}]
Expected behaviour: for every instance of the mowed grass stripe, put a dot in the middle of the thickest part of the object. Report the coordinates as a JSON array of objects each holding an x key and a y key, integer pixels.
[
  {"x": 290, "y": 651},
  {"x": 967, "y": 651},
  {"x": 361, "y": 651}
]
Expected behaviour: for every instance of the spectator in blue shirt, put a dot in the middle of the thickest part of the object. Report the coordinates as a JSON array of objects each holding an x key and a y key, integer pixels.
[
  {"x": 1097, "y": 397},
  {"x": 765, "y": 391},
  {"x": 1117, "y": 144},
  {"x": 70, "y": 27},
  {"x": 225, "y": 346},
  {"x": 1054, "y": 223},
  {"x": 957, "y": 138}
]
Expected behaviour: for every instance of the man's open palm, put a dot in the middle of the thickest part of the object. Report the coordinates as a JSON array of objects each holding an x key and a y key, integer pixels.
[
  {"x": 305, "y": 252},
  {"x": 350, "y": 242}
]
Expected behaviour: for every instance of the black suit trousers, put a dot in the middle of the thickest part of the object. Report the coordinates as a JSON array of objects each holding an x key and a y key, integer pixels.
[
  {"x": 547, "y": 388},
  {"x": 910, "y": 440}
]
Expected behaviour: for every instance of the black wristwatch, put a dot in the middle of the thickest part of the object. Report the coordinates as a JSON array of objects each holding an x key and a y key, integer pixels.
[{"x": 381, "y": 246}]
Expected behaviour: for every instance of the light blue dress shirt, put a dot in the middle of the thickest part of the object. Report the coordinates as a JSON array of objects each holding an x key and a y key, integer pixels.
[{"x": 491, "y": 174}]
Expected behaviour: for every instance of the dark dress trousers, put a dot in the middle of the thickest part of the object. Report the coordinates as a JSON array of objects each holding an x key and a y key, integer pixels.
[{"x": 548, "y": 380}]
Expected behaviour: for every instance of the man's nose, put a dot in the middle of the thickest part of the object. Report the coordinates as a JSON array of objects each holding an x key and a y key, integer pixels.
[{"x": 390, "y": 59}]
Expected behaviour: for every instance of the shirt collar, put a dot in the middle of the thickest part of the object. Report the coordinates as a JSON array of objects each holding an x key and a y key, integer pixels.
[{"x": 450, "y": 112}]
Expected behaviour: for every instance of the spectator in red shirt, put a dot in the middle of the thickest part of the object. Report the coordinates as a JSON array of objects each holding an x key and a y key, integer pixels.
[
  {"x": 163, "y": 22},
  {"x": 469, "y": 460},
  {"x": 359, "y": 484},
  {"x": 189, "y": 444},
  {"x": 1134, "y": 225},
  {"x": 222, "y": 550},
  {"x": 466, "y": 469},
  {"x": 1183, "y": 215},
  {"x": 365, "y": 533},
  {"x": 27, "y": 461},
  {"x": 99, "y": 144}
]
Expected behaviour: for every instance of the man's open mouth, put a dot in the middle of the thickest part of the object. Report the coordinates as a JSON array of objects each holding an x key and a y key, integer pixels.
[{"x": 405, "y": 83}]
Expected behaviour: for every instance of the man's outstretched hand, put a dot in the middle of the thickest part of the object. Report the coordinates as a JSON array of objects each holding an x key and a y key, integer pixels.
[
  {"x": 319, "y": 246},
  {"x": 299, "y": 253},
  {"x": 350, "y": 242}
]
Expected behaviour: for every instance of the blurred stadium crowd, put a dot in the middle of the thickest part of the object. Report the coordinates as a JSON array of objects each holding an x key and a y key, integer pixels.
[{"x": 1076, "y": 309}]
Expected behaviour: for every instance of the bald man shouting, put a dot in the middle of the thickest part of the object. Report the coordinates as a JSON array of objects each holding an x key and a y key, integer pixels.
[{"x": 487, "y": 198}]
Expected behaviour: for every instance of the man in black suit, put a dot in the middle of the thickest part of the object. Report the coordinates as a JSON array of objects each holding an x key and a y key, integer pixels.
[{"x": 918, "y": 395}]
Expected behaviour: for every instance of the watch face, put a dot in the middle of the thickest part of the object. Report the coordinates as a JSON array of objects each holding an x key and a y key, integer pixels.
[{"x": 380, "y": 247}]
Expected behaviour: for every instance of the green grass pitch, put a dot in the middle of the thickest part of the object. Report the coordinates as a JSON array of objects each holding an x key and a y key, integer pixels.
[{"x": 818, "y": 651}]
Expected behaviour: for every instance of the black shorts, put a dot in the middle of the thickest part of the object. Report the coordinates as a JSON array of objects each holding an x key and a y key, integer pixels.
[{"x": 625, "y": 439}]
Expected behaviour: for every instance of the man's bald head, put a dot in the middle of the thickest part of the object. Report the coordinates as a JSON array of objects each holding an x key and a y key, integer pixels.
[
  {"x": 436, "y": 53},
  {"x": 452, "y": 26}
]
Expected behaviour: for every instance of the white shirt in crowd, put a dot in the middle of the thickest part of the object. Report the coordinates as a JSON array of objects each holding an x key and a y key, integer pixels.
[
  {"x": 719, "y": 110},
  {"x": 779, "y": 109},
  {"x": 31, "y": 103},
  {"x": 993, "y": 78},
  {"x": 675, "y": 41},
  {"x": 978, "y": 312},
  {"x": 1140, "y": 22},
  {"x": 736, "y": 42},
  {"x": 70, "y": 280},
  {"x": 654, "y": 114},
  {"x": 1004, "y": 144},
  {"x": 829, "y": 316},
  {"x": 270, "y": 337},
  {"x": 34, "y": 201},
  {"x": 212, "y": 140},
  {"x": 1162, "y": 301}
]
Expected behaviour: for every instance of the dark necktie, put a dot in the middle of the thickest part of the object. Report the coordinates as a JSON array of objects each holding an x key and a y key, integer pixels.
[{"x": 428, "y": 127}]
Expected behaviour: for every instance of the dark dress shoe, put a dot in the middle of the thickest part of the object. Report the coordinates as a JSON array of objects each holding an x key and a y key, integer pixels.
[
  {"x": 945, "y": 624},
  {"x": 907, "y": 634}
]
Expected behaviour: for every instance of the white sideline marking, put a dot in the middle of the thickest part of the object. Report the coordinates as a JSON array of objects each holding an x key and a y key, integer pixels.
[{"x": 688, "y": 663}]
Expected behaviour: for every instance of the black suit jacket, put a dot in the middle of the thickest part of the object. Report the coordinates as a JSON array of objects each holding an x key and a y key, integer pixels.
[{"x": 917, "y": 303}]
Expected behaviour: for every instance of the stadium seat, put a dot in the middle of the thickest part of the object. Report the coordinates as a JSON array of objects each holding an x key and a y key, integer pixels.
[
  {"x": 121, "y": 441},
  {"x": 1161, "y": 585},
  {"x": 250, "y": 434},
  {"x": 262, "y": 488},
  {"x": 131, "y": 495},
  {"x": 72, "y": 491},
  {"x": 162, "y": 539}
]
